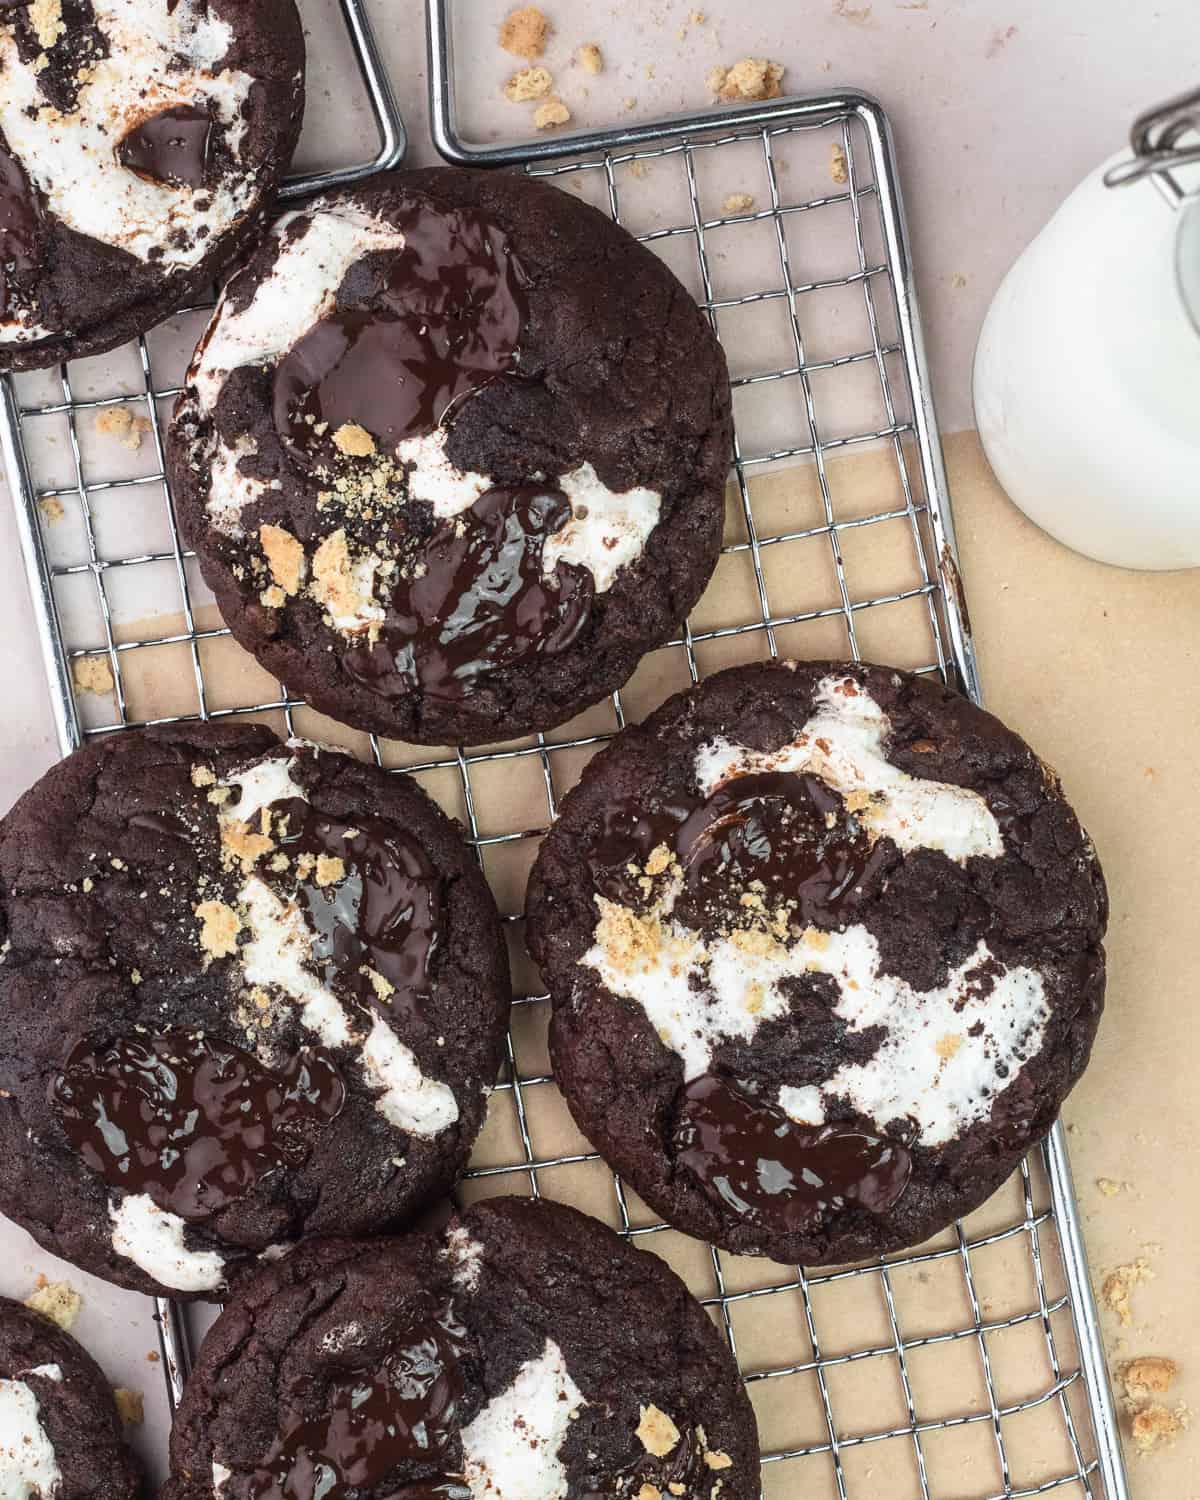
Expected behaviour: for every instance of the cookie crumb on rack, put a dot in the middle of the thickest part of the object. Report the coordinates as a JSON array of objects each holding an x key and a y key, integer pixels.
[
  {"x": 56, "y": 1300},
  {"x": 523, "y": 32},
  {"x": 52, "y": 510},
  {"x": 591, "y": 59},
  {"x": 1118, "y": 1285},
  {"x": 92, "y": 674},
  {"x": 838, "y": 169},
  {"x": 753, "y": 78},
  {"x": 120, "y": 423},
  {"x": 738, "y": 203},
  {"x": 553, "y": 112},
  {"x": 1110, "y": 1187},
  {"x": 527, "y": 84},
  {"x": 131, "y": 1407},
  {"x": 1155, "y": 1427}
]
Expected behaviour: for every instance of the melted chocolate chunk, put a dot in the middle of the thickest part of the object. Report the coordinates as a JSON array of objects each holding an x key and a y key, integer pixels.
[
  {"x": 446, "y": 319},
  {"x": 165, "y": 824},
  {"x": 191, "y": 1121},
  {"x": 171, "y": 147},
  {"x": 482, "y": 603},
  {"x": 20, "y": 222},
  {"x": 386, "y": 914},
  {"x": 750, "y": 1157},
  {"x": 403, "y": 1410},
  {"x": 789, "y": 835}
]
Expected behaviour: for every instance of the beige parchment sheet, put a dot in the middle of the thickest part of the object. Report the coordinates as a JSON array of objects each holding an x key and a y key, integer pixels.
[{"x": 1120, "y": 726}]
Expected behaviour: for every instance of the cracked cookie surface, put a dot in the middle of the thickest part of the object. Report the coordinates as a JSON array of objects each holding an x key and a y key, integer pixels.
[
  {"x": 140, "y": 141},
  {"x": 523, "y": 1352},
  {"x": 452, "y": 454},
  {"x": 824, "y": 948},
  {"x": 250, "y": 991}
]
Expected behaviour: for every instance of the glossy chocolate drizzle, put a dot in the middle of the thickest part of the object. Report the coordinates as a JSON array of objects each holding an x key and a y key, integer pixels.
[
  {"x": 789, "y": 832},
  {"x": 401, "y": 1410},
  {"x": 446, "y": 319},
  {"x": 750, "y": 1157},
  {"x": 171, "y": 147},
  {"x": 20, "y": 221},
  {"x": 482, "y": 603},
  {"x": 189, "y": 1120},
  {"x": 385, "y": 914}
]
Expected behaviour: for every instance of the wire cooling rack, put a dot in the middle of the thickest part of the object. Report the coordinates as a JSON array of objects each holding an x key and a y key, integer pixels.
[{"x": 971, "y": 1367}]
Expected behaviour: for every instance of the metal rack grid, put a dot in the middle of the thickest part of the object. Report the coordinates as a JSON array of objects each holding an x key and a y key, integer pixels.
[{"x": 1042, "y": 1222}]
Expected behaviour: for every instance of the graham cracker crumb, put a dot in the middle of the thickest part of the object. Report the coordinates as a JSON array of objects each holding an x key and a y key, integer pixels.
[
  {"x": 45, "y": 17},
  {"x": 52, "y": 510},
  {"x": 648, "y": 1492},
  {"x": 946, "y": 1046},
  {"x": 240, "y": 846},
  {"x": 92, "y": 674},
  {"x": 130, "y": 1406},
  {"x": 56, "y": 1300},
  {"x": 755, "y": 998},
  {"x": 676, "y": 1488},
  {"x": 330, "y": 869},
  {"x": 656, "y": 1432},
  {"x": 353, "y": 440},
  {"x": 279, "y": 862},
  {"x": 638, "y": 168},
  {"x": 1110, "y": 1187},
  {"x": 527, "y": 84},
  {"x": 218, "y": 795},
  {"x": 1156, "y": 1427},
  {"x": 523, "y": 32},
  {"x": 553, "y": 112},
  {"x": 718, "y": 1460},
  {"x": 273, "y": 598},
  {"x": 203, "y": 776},
  {"x": 120, "y": 423},
  {"x": 860, "y": 14},
  {"x": 220, "y": 925},
  {"x": 285, "y": 556},
  {"x": 714, "y": 80},
  {"x": 1119, "y": 1283},
  {"x": 334, "y": 584},
  {"x": 626, "y": 939},
  {"x": 591, "y": 59},
  {"x": 839, "y": 171},
  {"x": 382, "y": 986},
  {"x": 749, "y": 78},
  {"x": 659, "y": 860},
  {"x": 738, "y": 203},
  {"x": 1149, "y": 1375}
]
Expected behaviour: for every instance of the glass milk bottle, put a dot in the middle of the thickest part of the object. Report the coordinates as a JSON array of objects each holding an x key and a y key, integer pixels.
[{"x": 1087, "y": 371}]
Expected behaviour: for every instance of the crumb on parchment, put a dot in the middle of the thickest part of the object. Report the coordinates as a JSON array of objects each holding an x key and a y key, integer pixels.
[
  {"x": 1148, "y": 1375},
  {"x": 591, "y": 59},
  {"x": 528, "y": 84},
  {"x": 1116, "y": 1289},
  {"x": 738, "y": 203},
  {"x": 753, "y": 78},
  {"x": 92, "y": 674},
  {"x": 839, "y": 170},
  {"x": 552, "y": 112},
  {"x": 56, "y": 1300},
  {"x": 120, "y": 423},
  {"x": 1156, "y": 1427},
  {"x": 130, "y": 1406},
  {"x": 523, "y": 32}
]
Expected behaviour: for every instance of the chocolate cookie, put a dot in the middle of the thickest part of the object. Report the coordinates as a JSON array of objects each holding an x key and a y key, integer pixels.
[
  {"x": 524, "y": 1353},
  {"x": 824, "y": 947},
  {"x": 139, "y": 143},
  {"x": 60, "y": 1435},
  {"x": 249, "y": 992},
  {"x": 452, "y": 454}
]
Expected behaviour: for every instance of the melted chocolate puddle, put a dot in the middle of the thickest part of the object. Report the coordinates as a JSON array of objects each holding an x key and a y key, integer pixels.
[
  {"x": 403, "y": 1410},
  {"x": 20, "y": 224},
  {"x": 789, "y": 833},
  {"x": 191, "y": 1121},
  {"x": 483, "y": 603},
  {"x": 750, "y": 1157},
  {"x": 446, "y": 319},
  {"x": 171, "y": 147},
  {"x": 386, "y": 914}
]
